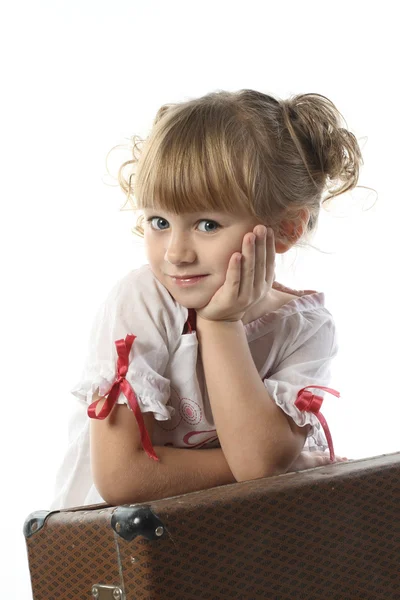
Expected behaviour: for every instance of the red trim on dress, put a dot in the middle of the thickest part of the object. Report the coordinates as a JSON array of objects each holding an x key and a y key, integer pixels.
[
  {"x": 122, "y": 385},
  {"x": 190, "y": 324},
  {"x": 306, "y": 401}
]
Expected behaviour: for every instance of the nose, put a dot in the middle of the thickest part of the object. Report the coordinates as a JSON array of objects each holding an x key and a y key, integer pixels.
[{"x": 179, "y": 250}]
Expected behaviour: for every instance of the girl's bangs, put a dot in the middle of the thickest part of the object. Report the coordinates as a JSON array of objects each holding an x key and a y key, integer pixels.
[{"x": 191, "y": 172}]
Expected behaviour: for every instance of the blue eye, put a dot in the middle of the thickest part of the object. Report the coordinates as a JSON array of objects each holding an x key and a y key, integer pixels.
[
  {"x": 213, "y": 222},
  {"x": 150, "y": 219},
  {"x": 215, "y": 225}
]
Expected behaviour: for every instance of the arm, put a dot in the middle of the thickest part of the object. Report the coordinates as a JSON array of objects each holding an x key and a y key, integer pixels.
[
  {"x": 256, "y": 436},
  {"x": 180, "y": 471},
  {"x": 124, "y": 474}
]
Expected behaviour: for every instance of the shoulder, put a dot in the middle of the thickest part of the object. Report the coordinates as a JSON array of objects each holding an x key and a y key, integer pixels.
[
  {"x": 297, "y": 318},
  {"x": 140, "y": 282},
  {"x": 307, "y": 323},
  {"x": 286, "y": 308},
  {"x": 140, "y": 294},
  {"x": 303, "y": 306},
  {"x": 304, "y": 312}
]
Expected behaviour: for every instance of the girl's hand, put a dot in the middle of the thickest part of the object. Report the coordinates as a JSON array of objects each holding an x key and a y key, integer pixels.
[
  {"x": 308, "y": 460},
  {"x": 249, "y": 276}
]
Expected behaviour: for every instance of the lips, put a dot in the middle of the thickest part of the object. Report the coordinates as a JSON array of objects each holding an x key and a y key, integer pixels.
[
  {"x": 185, "y": 276},
  {"x": 188, "y": 281}
]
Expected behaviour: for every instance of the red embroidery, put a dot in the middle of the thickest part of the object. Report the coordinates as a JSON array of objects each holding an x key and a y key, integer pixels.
[
  {"x": 122, "y": 385},
  {"x": 192, "y": 434},
  {"x": 306, "y": 401},
  {"x": 187, "y": 412}
]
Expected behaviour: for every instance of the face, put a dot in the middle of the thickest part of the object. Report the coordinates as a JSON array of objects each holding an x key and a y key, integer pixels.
[{"x": 193, "y": 244}]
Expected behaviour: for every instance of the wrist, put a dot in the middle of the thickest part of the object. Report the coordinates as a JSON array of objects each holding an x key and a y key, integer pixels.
[
  {"x": 204, "y": 323},
  {"x": 219, "y": 328},
  {"x": 218, "y": 333}
]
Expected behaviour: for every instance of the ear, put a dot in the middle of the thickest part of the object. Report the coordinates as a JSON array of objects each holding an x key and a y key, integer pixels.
[{"x": 290, "y": 231}]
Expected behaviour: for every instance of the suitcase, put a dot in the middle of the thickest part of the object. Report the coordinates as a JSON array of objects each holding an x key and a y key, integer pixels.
[{"x": 331, "y": 532}]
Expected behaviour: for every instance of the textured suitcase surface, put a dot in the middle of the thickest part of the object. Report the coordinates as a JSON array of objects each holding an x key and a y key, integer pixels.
[{"x": 332, "y": 532}]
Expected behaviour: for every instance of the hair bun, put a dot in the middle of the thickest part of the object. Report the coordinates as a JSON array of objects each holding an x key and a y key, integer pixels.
[
  {"x": 315, "y": 125},
  {"x": 161, "y": 112}
]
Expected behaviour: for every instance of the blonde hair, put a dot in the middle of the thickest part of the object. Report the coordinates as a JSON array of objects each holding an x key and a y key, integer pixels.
[{"x": 243, "y": 151}]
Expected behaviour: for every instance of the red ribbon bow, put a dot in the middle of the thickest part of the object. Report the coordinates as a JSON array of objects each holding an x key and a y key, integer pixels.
[
  {"x": 122, "y": 385},
  {"x": 306, "y": 401}
]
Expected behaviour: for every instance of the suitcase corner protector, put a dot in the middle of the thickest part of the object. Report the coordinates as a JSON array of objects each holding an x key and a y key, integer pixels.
[{"x": 35, "y": 521}]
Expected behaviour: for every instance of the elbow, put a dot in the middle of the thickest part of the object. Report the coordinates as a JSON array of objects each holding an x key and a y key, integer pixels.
[
  {"x": 112, "y": 495},
  {"x": 269, "y": 470},
  {"x": 115, "y": 494},
  {"x": 109, "y": 489},
  {"x": 279, "y": 461},
  {"x": 272, "y": 456},
  {"x": 252, "y": 469},
  {"x": 116, "y": 487}
]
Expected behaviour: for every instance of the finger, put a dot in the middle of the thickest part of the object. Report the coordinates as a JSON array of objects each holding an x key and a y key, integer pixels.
[
  {"x": 248, "y": 266},
  {"x": 233, "y": 274},
  {"x": 261, "y": 258},
  {"x": 270, "y": 265}
]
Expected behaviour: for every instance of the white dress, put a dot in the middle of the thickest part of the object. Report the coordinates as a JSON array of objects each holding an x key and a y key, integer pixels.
[{"x": 292, "y": 347}]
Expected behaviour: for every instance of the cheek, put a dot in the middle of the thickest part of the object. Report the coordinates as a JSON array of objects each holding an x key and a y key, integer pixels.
[
  {"x": 150, "y": 247},
  {"x": 147, "y": 248},
  {"x": 227, "y": 251}
]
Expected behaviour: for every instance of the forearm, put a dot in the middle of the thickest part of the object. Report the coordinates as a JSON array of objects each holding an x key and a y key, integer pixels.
[
  {"x": 253, "y": 431},
  {"x": 179, "y": 471}
]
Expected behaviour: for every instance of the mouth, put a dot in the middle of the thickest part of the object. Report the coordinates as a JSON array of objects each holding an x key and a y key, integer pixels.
[
  {"x": 186, "y": 276},
  {"x": 187, "y": 280}
]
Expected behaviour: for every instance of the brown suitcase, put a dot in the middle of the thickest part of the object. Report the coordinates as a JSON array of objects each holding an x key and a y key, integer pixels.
[{"x": 331, "y": 532}]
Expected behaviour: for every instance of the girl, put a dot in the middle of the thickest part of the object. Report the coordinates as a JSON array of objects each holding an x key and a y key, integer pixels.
[{"x": 201, "y": 349}]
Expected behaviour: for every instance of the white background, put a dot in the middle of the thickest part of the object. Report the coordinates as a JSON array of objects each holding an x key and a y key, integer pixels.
[{"x": 79, "y": 77}]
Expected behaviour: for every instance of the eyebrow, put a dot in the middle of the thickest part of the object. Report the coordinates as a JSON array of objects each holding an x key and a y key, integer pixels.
[{"x": 193, "y": 215}]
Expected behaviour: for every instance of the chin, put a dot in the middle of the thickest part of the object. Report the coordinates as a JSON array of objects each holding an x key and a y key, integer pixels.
[
  {"x": 188, "y": 302},
  {"x": 190, "y": 299}
]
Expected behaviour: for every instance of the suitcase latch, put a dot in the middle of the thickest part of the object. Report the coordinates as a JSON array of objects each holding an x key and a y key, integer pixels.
[{"x": 107, "y": 592}]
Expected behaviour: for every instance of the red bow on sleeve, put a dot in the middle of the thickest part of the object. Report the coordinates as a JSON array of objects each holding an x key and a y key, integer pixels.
[
  {"x": 306, "y": 401},
  {"x": 122, "y": 385}
]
